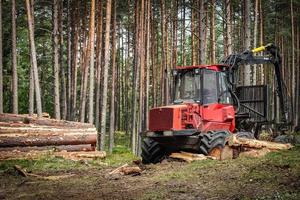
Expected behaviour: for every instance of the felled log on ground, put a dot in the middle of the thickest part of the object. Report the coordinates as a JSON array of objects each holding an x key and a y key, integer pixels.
[
  {"x": 190, "y": 157},
  {"x": 255, "y": 153},
  {"x": 80, "y": 147},
  {"x": 258, "y": 144},
  {"x": 126, "y": 170},
  {"x": 14, "y": 118},
  {"x": 15, "y": 155},
  {"x": 47, "y": 139},
  {"x": 81, "y": 155}
]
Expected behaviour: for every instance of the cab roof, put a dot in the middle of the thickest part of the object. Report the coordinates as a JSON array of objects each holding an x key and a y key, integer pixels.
[{"x": 215, "y": 67}]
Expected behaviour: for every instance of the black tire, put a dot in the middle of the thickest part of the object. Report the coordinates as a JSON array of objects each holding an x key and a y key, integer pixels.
[
  {"x": 151, "y": 151},
  {"x": 212, "y": 140},
  {"x": 248, "y": 135}
]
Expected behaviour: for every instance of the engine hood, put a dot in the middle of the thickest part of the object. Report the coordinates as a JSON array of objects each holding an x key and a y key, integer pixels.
[{"x": 166, "y": 118}]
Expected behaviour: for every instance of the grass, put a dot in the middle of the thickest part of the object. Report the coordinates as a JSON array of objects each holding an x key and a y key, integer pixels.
[{"x": 275, "y": 176}]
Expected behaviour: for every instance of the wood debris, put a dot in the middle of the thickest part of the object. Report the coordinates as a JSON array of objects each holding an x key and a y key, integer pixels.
[
  {"x": 127, "y": 170},
  {"x": 81, "y": 155},
  {"x": 190, "y": 157},
  {"x": 23, "y": 172}
]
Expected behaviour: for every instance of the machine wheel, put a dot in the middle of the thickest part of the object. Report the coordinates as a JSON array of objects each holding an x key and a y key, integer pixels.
[
  {"x": 248, "y": 135},
  {"x": 213, "y": 142},
  {"x": 151, "y": 151}
]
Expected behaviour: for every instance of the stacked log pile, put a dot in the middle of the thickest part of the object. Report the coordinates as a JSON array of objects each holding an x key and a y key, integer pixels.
[{"x": 25, "y": 132}]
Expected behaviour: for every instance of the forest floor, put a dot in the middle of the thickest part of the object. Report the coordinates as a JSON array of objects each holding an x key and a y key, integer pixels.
[{"x": 275, "y": 176}]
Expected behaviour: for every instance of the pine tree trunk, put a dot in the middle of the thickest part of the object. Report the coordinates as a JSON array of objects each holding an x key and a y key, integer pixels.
[
  {"x": 256, "y": 15},
  {"x": 202, "y": 30},
  {"x": 14, "y": 59},
  {"x": 92, "y": 54},
  {"x": 113, "y": 77},
  {"x": 247, "y": 42},
  {"x": 98, "y": 64},
  {"x": 34, "y": 61},
  {"x": 75, "y": 27},
  {"x": 69, "y": 61},
  {"x": 228, "y": 27},
  {"x": 212, "y": 33},
  {"x": 105, "y": 76},
  {"x": 63, "y": 96},
  {"x": 56, "y": 66},
  {"x": 135, "y": 80},
  {"x": 261, "y": 41},
  {"x": 183, "y": 35},
  {"x": 293, "y": 91},
  {"x": 148, "y": 64},
  {"x": 1, "y": 62},
  {"x": 84, "y": 61},
  {"x": 31, "y": 81}
]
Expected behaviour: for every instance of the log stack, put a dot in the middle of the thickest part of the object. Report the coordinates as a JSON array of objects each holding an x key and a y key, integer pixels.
[{"x": 25, "y": 131}]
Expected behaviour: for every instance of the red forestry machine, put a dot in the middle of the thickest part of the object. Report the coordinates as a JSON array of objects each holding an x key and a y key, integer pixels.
[{"x": 209, "y": 105}]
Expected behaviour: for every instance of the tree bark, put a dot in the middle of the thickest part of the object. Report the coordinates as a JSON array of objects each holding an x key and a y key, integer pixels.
[
  {"x": 202, "y": 30},
  {"x": 212, "y": 33},
  {"x": 105, "y": 77},
  {"x": 256, "y": 15},
  {"x": 31, "y": 81},
  {"x": 14, "y": 59},
  {"x": 98, "y": 64},
  {"x": 228, "y": 27},
  {"x": 69, "y": 60},
  {"x": 293, "y": 62},
  {"x": 247, "y": 42},
  {"x": 34, "y": 61},
  {"x": 1, "y": 62},
  {"x": 92, "y": 54},
  {"x": 56, "y": 63},
  {"x": 46, "y": 140},
  {"x": 113, "y": 77}
]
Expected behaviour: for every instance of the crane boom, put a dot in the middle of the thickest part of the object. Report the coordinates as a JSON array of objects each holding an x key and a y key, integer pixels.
[{"x": 272, "y": 56}]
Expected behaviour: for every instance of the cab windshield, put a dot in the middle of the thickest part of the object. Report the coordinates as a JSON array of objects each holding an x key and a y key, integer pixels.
[{"x": 187, "y": 86}]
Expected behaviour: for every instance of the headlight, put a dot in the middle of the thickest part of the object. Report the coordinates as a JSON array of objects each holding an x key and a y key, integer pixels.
[
  {"x": 168, "y": 133},
  {"x": 149, "y": 134}
]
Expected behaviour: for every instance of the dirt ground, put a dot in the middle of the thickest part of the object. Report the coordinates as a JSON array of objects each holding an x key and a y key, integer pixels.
[{"x": 275, "y": 176}]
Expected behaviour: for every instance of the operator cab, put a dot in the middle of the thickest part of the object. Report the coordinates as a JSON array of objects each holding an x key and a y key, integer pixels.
[{"x": 201, "y": 84}]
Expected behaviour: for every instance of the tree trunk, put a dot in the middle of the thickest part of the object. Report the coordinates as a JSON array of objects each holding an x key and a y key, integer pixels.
[
  {"x": 1, "y": 62},
  {"x": 98, "y": 64},
  {"x": 76, "y": 22},
  {"x": 34, "y": 61},
  {"x": 31, "y": 81},
  {"x": 69, "y": 61},
  {"x": 135, "y": 80},
  {"x": 256, "y": 15},
  {"x": 113, "y": 77},
  {"x": 293, "y": 91},
  {"x": 14, "y": 59},
  {"x": 247, "y": 42},
  {"x": 56, "y": 63},
  {"x": 202, "y": 30},
  {"x": 63, "y": 96},
  {"x": 92, "y": 54},
  {"x": 105, "y": 76},
  {"x": 261, "y": 41},
  {"x": 212, "y": 33},
  {"x": 85, "y": 56},
  {"x": 228, "y": 27},
  {"x": 148, "y": 64}
]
